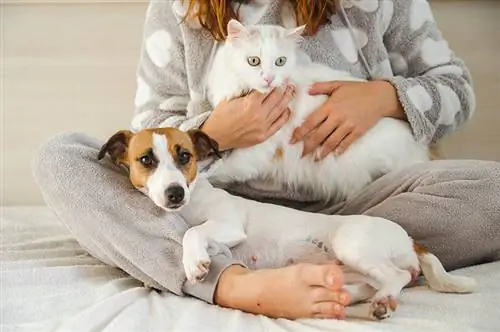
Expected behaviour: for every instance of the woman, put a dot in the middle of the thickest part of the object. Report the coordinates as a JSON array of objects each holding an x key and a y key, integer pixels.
[{"x": 453, "y": 207}]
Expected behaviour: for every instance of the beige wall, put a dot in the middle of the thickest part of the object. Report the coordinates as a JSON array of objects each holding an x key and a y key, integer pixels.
[{"x": 70, "y": 66}]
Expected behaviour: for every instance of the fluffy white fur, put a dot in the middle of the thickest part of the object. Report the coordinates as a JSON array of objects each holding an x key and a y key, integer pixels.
[
  {"x": 268, "y": 236},
  {"x": 389, "y": 145}
]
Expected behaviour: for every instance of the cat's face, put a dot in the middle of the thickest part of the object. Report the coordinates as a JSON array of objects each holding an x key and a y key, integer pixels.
[{"x": 263, "y": 56}]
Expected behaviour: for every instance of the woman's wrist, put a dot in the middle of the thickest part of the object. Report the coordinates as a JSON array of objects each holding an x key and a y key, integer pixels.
[
  {"x": 391, "y": 106},
  {"x": 213, "y": 130}
]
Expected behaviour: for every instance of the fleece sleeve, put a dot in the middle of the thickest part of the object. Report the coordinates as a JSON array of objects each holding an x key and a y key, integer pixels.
[
  {"x": 161, "y": 100},
  {"x": 433, "y": 84},
  {"x": 163, "y": 94}
]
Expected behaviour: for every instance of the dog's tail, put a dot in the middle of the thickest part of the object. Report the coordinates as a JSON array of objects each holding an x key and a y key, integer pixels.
[{"x": 437, "y": 277}]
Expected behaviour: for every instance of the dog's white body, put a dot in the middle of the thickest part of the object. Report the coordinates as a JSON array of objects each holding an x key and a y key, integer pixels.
[
  {"x": 389, "y": 145},
  {"x": 378, "y": 255}
]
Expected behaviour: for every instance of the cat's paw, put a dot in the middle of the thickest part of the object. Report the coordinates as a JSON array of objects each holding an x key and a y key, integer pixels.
[{"x": 196, "y": 266}]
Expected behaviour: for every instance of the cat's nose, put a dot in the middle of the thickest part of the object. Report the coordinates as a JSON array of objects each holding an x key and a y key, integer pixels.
[{"x": 269, "y": 79}]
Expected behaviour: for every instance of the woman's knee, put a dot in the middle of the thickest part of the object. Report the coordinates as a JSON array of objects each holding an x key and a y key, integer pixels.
[
  {"x": 60, "y": 156},
  {"x": 481, "y": 207}
]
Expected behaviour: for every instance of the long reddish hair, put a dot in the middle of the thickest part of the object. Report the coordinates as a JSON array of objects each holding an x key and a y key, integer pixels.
[{"x": 213, "y": 15}]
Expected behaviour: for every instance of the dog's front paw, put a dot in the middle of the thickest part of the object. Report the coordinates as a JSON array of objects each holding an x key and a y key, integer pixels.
[
  {"x": 382, "y": 308},
  {"x": 196, "y": 266}
]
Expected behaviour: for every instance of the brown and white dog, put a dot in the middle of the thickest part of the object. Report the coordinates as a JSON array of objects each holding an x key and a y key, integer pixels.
[{"x": 378, "y": 256}]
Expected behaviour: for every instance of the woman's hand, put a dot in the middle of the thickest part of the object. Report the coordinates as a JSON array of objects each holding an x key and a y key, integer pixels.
[
  {"x": 249, "y": 120},
  {"x": 293, "y": 292},
  {"x": 350, "y": 111}
]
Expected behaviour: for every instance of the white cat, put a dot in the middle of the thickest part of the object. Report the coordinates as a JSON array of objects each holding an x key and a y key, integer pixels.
[{"x": 261, "y": 57}]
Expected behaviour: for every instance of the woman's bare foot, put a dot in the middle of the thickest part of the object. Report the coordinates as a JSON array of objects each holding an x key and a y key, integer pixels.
[{"x": 297, "y": 291}]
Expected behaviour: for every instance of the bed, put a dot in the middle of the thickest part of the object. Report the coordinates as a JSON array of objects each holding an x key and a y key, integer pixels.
[{"x": 49, "y": 283}]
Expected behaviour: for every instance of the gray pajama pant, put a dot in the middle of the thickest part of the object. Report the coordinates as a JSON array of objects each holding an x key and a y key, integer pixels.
[{"x": 450, "y": 206}]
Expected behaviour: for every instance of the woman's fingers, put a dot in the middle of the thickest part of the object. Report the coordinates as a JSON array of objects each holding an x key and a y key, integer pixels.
[
  {"x": 282, "y": 119},
  {"x": 325, "y": 88},
  {"x": 311, "y": 122},
  {"x": 347, "y": 141},
  {"x": 334, "y": 140},
  {"x": 282, "y": 105},
  {"x": 319, "y": 135},
  {"x": 272, "y": 99}
]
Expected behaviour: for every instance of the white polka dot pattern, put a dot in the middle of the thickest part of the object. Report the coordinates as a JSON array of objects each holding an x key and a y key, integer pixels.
[
  {"x": 450, "y": 105},
  {"x": 143, "y": 93},
  {"x": 383, "y": 70},
  {"x": 385, "y": 15},
  {"x": 420, "y": 98},
  {"x": 174, "y": 103},
  {"x": 172, "y": 121},
  {"x": 346, "y": 44},
  {"x": 471, "y": 95},
  {"x": 158, "y": 47},
  {"x": 138, "y": 120},
  {"x": 179, "y": 8},
  {"x": 449, "y": 69},
  {"x": 435, "y": 53},
  {"x": 365, "y": 5},
  {"x": 398, "y": 63},
  {"x": 420, "y": 12}
]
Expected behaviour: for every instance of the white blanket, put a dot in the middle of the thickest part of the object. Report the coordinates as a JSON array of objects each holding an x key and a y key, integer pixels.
[{"x": 49, "y": 283}]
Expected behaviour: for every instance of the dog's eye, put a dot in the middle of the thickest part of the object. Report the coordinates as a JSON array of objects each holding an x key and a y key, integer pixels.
[
  {"x": 280, "y": 61},
  {"x": 146, "y": 160},
  {"x": 184, "y": 158},
  {"x": 253, "y": 61}
]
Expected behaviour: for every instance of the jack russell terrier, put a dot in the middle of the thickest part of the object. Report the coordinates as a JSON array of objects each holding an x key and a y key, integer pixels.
[{"x": 378, "y": 257}]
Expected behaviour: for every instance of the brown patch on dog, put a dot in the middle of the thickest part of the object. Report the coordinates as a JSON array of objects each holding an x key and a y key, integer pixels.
[
  {"x": 116, "y": 147},
  {"x": 204, "y": 145},
  {"x": 178, "y": 143},
  {"x": 278, "y": 154},
  {"x": 419, "y": 249},
  {"x": 139, "y": 146}
]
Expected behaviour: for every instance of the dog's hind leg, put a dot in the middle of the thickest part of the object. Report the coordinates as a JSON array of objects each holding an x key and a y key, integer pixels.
[{"x": 391, "y": 281}]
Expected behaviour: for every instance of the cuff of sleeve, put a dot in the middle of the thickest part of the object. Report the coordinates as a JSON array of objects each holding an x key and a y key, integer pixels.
[
  {"x": 205, "y": 290},
  {"x": 194, "y": 122},
  {"x": 402, "y": 84}
]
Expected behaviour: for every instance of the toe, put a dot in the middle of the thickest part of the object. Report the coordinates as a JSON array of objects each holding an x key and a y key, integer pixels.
[{"x": 328, "y": 310}]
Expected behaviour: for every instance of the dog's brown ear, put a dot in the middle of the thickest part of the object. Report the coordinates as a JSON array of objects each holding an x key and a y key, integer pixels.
[
  {"x": 204, "y": 145},
  {"x": 116, "y": 147}
]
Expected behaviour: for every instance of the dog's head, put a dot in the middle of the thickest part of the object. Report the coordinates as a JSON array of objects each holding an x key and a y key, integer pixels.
[{"x": 162, "y": 162}]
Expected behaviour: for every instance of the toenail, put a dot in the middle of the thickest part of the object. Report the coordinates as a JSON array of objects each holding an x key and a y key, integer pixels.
[
  {"x": 343, "y": 297},
  {"x": 330, "y": 280}
]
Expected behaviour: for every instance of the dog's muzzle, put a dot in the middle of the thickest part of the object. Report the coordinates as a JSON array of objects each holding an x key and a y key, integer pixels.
[{"x": 175, "y": 195}]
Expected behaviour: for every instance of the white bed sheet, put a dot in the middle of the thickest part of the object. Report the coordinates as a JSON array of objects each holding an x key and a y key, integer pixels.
[{"x": 49, "y": 283}]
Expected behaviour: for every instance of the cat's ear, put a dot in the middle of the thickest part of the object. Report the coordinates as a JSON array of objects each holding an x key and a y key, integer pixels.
[
  {"x": 235, "y": 29},
  {"x": 296, "y": 33}
]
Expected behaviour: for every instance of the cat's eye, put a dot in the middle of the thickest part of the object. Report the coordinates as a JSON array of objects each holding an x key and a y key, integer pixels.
[
  {"x": 280, "y": 61},
  {"x": 253, "y": 61}
]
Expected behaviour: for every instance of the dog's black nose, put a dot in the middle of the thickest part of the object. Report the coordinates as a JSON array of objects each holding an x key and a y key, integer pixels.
[{"x": 175, "y": 194}]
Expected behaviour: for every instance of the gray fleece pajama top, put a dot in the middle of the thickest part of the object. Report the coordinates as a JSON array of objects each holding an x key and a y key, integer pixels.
[{"x": 453, "y": 207}]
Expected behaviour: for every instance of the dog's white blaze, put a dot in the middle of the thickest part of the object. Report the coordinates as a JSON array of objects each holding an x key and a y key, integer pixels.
[{"x": 166, "y": 173}]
